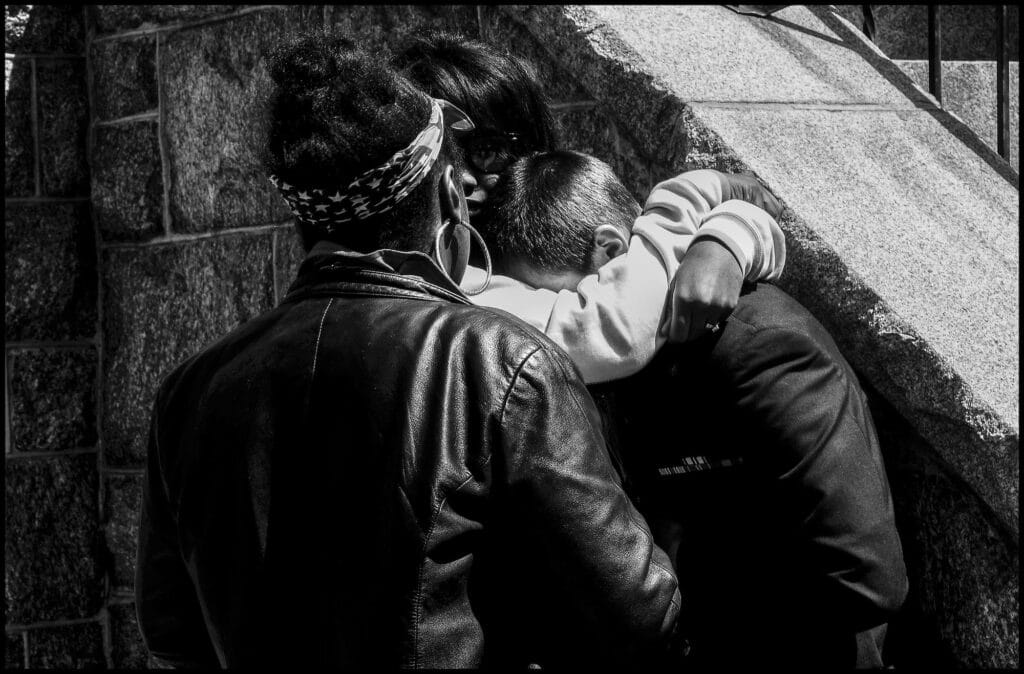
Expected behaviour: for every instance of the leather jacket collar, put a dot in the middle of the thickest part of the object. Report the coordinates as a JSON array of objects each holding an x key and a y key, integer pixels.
[{"x": 329, "y": 264}]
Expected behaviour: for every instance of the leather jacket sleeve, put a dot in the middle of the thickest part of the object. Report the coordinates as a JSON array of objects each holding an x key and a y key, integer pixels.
[
  {"x": 796, "y": 393},
  {"x": 170, "y": 619},
  {"x": 600, "y": 567}
]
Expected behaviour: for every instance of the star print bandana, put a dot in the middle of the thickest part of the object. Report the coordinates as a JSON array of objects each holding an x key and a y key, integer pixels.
[{"x": 379, "y": 189}]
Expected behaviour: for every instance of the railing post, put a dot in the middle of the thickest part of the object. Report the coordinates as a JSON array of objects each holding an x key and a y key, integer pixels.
[
  {"x": 935, "y": 52},
  {"x": 869, "y": 21},
  {"x": 1002, "y": 86}
]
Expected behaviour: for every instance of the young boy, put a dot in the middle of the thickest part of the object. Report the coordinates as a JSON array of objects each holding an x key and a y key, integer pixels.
[
  {"x": 792, "y": 558},
  {"x": 578, "y": 260}
]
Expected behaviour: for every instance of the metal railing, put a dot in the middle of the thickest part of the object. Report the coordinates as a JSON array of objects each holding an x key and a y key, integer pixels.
[{"x": 1002, "y": 57}]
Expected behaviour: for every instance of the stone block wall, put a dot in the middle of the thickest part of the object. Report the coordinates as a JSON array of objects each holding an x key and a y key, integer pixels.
[
  {"x": 140, "y": 227},
  {"x": 55, "y": 586}
]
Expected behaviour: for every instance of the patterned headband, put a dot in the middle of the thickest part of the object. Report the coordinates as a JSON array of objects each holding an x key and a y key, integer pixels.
[{"x": 379, "y": 189}]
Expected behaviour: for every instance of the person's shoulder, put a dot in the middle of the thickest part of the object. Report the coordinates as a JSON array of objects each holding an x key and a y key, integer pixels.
[
  {"x": 511, "y": 336},
  {"x": 769, "y": 320},
  {"x": 194, "y": 370},
  {"x": 766, "y": 306}
]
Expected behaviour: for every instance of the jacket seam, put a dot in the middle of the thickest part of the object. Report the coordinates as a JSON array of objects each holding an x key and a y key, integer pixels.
[
  {"x": 513, "y": 381},
  {"x": 319, "y": 334},
  {"x": 418, "y": 604}
]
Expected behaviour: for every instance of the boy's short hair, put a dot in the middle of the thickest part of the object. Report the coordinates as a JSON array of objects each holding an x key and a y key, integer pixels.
[{"x": 546, "y": 206}]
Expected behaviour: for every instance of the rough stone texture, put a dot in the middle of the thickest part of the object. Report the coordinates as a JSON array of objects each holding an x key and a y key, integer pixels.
[
  {"x": 19, "y": 141},
  {"x": 502, "y": 30},
  {"x": 121, "y": 526},
  {"x": 968, "y": 31},
  {"x": 52, "y": 568},
  {"x": 127, "y": 184},
  {"x": 51, "y": 29},
  {"x": 119, "y": 18},
  {"x": 808, "y": 66},
  {"x": 963, "y": 608},
  {"x": 215, "y": 83},
  {"x": 969, "y": 92},
  {"x": 63, "y": 127},
  {"x": 14, "y": 651},
  {"x": 161, "y": 305},
  {"x": 77, "y": 646},
  {"x": 592, "y": 131},
  {"x": 50, "y": 272},
  {"x": 384, "y": 28},
  {"x": 127, "y": 649},
  {"x": 53, "y": 399},
  {"x": 124, "y": 77},
  {"x": 288, "y": 255}
]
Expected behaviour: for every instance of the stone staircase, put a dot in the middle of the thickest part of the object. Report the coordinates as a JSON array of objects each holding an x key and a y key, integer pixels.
[{"x": 969, "y": 92}]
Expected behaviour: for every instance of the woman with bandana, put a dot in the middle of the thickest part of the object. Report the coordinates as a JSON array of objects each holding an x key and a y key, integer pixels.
[{"x": 377, "y": 473}]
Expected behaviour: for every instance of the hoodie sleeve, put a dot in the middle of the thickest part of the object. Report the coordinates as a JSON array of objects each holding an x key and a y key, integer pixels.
[{"x": 609, "y": 323}]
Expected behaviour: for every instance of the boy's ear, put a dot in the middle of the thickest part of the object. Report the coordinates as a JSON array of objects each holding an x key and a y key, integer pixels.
[{"x": 609, "y": 243}]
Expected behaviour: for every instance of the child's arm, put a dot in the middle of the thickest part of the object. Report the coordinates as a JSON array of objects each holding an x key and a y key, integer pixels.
[{"x": 609, "y": 324}]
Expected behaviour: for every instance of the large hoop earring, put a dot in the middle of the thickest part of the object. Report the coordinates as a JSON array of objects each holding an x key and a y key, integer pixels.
[{"x": 483, "y": 247}]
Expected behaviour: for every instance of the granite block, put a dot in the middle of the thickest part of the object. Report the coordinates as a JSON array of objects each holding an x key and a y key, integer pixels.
[
  {"x": 63, "y": 105},
  {"x": 608, "y": 68},
  {"x": 161, "y": 305},
  {"x": 119, "y": 18},
  {"x": 503, "y": 31},
  {"x": 52, "y": 548},
  {"x": 19, "y": 137},
  {"x": 127, "y": 185},
  {"x": 215, "y": 87},
  {"x": 124, "y": 78},
  {"x": 78, "y": 646},
  {"x": 50, "y": 29},
  {"x": 385, "y": 29},
  {"x": 708, "y": 53},
  {"x": 127, "y": 648},
  {"x": 962, "y": 563},
  {"x": 593, "y": 132},
  {"x": 121, "y": 525},
  {"x": 53, "y": 399},
  {"x": 14, "y": 650},
  {"x": 50, "y": 272}
]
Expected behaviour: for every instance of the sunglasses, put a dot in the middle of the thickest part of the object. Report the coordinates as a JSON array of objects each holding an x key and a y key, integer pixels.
[{"x": 490, "y": 151}]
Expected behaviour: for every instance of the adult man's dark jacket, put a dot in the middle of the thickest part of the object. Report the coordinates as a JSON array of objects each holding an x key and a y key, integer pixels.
[
  {"x": 377, "y": 473},
  {"x": 793, "y": 556}
]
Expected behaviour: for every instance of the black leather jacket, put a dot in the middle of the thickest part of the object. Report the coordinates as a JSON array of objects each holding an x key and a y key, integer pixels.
[{"x": 377, "y": 473}]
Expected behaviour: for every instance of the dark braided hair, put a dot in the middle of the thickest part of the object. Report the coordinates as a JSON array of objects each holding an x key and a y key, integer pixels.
[{"x": 336, "y": 112}]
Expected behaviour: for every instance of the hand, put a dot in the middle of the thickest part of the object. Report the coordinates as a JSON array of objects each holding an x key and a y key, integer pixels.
[
  {"x": 705, "y": 290},
  {"x": 745, "y": 187}
]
